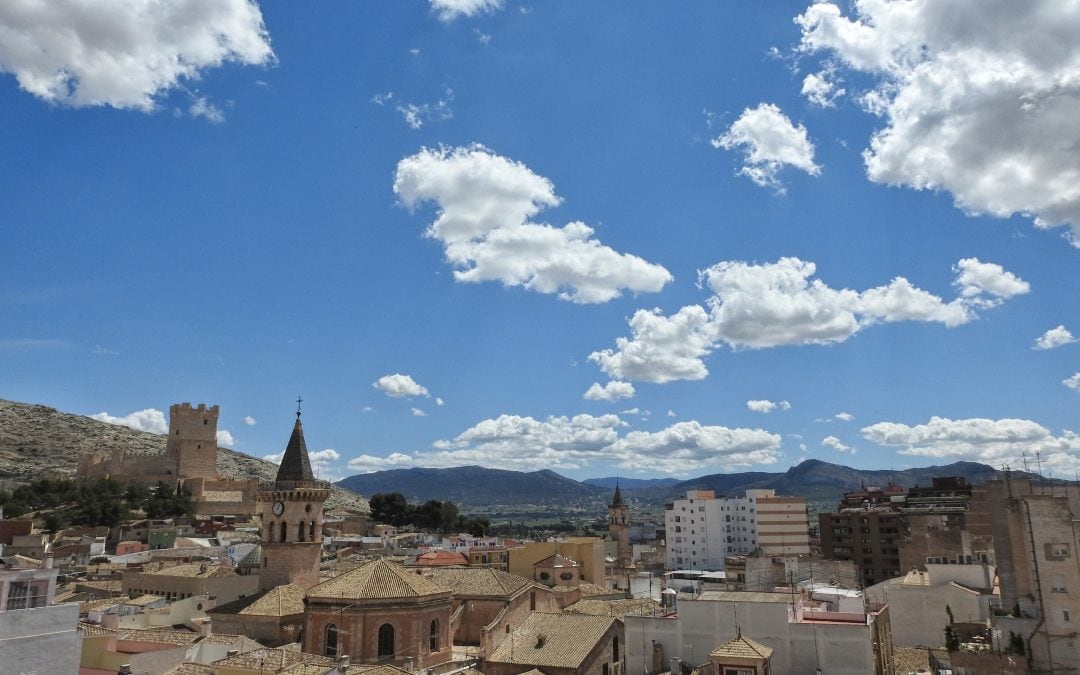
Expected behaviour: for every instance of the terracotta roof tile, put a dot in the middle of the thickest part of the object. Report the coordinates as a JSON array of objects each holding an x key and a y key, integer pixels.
[
  {"x": 478, "y": 581},
  {"x": 283, "y": 600},
  {"x": 376, "y": 579},
  {"x": 272, "y": 660},
  {"x": 743, "y": 647},
  {"x": 553, "y": 640}
]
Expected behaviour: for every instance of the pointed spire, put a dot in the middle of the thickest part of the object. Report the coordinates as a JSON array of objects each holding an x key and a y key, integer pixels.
[
  {"x": 617, "y": 500},
  {"x": 295, "y": 465}
]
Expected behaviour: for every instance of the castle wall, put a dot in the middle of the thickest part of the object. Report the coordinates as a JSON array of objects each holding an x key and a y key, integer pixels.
[{"x": 193, "y": 440}]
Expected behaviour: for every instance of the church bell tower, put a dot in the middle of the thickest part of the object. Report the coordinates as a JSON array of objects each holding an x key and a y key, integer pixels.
[
  {"x": 291, "y": 509},
  {"x": 619, "y": 529}
]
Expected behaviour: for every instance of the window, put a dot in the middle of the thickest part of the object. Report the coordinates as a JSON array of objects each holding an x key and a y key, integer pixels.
[
  {"x": 311, "y": 531},
  {"x": 1057, "y": 551},
  {"x": 615, "y": 649},
  {"x": 284, "y": 532},
  {"x": 532, "y": 601},
  {"x": 331, "y": 640},
  {"x": 386, "y": 640},
  {"x": 1065, "y": 615},
  {"x": 433, "y": 636},
  {"x": 300, "y": 531}
]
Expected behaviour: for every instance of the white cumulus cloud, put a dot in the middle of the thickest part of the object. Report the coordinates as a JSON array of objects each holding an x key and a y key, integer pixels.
[
  {"x": 322, "y": 461},
  {"x": 948, "y": 76},
  {"x": 782, "y": 303},
  {"x": 372, "y": 463},
  {"x": 399, "y": 386},
  {"x": 1053, "y": 338},
  {"x": 126, "y": 53},
  {"x": 225, "y": 438},
  {"x": 993, "y": 442},
  {"x": 611, "y": 391},
  {"x": 486, "y": 203},
  {"x": 249, "y": 420},
  {"x": 1072, "y": 382},
  {"x": 766, "y": 406},
  {"x": 769, "y": 142},
  {"x": 417, "y": 412},
  {"x": 821, "y": 90},
  {"x": 836, "y": 444},
  {"x": 448, "y": 10},
  {"x": 844, "y": 416},
  {"x": 527, "y": 444},
  {"x": 150, "y": 419}
]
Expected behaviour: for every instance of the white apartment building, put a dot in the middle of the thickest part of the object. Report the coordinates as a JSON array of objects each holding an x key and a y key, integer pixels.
[
  {"x": 702, "y": 529},
  {"x": 36, "y": 636}
]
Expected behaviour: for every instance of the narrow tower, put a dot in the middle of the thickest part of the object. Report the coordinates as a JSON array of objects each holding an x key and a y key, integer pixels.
[
  {"x": 291, "y": 510},
  {"x": 619, "y": 529},
  {"x": 192, "y": 441}
]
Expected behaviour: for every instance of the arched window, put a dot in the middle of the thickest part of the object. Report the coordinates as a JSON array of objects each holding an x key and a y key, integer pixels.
[
  {"x": 300, "y": 531},
  {"x": 433, "y": 636},
  {"x": 386, "y": 640},
  {"x": 311, "y": 531},
  {"x": 284, "y": 532},
  {"x": 615, "y": 649},
  {"x": 331, "y": 640}
]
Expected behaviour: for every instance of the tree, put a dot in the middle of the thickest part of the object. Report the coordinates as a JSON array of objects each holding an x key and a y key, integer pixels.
[
  {"x": 952, "y": 640},
  {"x": 389, "y": 507}
]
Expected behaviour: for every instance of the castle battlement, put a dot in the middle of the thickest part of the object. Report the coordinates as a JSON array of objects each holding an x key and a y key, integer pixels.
[{"x": 185, "y": 407}]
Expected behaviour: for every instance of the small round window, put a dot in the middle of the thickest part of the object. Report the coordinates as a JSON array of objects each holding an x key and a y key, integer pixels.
[
  {"x": 545, "y": 576},
  {"x": 566, "y": 576}
]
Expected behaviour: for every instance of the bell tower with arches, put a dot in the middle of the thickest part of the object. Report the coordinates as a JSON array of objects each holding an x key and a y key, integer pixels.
[{"x": 291, "y": 509}]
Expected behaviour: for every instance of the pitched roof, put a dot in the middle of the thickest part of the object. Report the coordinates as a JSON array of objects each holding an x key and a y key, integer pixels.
[
  {"x": 743, "y": 647},
  {"x": 617, "y": 500},
  {"x": 271, "y": 660},
  {"x": 441, "y": 557},
  {"x": 553, "y": 640},
  {"x": 284, "y": 600},
  {"x": 376, "y": 579},
  {"x": 619, "y": 608},
  {"x": 478, "y": 581},
  {"x": 199, "y": 570},
  {"x": 556, "y": 560},
  {"x": 295, "y": 465}
]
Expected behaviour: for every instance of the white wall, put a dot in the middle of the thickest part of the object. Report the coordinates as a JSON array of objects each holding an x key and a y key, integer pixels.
[{"x": 42, "y": 640}]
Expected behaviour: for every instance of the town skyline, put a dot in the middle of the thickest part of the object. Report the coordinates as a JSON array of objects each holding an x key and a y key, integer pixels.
[{"x": 605, "y": 241}]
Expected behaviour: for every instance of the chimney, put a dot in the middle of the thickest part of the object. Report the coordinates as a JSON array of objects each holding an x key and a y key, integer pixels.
[
  {"x": 124, "y": 669},
  {"x": 49, "y": 561},
  {"x": 343, "y": 664},
  {"x": 541, "y": 640}
]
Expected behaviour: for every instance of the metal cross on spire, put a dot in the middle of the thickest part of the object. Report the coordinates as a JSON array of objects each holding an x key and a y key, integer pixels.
[{"x": 298, "y": 402}]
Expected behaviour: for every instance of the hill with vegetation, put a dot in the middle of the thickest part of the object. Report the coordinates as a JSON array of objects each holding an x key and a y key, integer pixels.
[{"x": 37, "y": 441}]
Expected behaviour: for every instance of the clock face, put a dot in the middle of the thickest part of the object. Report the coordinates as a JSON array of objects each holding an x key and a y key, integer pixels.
[{"x": 279, "y": 508}]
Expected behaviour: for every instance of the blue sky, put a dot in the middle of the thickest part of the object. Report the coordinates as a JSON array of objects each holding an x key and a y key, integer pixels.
[{"x": 635, "y": 239}]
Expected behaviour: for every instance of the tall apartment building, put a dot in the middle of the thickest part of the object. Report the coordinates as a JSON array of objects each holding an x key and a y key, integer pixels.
[
  {"x": 703, "y": 529},
  {"x": 866, "y": 529}
]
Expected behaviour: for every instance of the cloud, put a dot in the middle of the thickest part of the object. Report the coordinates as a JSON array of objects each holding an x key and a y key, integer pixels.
[
  {"x": 820, "y": 89},
  {"x": 367, "y": 409},
  {"x": 1053, "y": 338},
  {"x": 769, "y": 142},
  {"x": 640, "y": 412},
  {"x": 763, "y": 406},
  {"x": 225, "y": 438},
  {"x": 835, "y": 443},
  {"x": 993, "y": 442},
  {"x": 486, "y": 203},
  {"x": 612, "y": 391},
  {"x": 661, "y": 348},
  {"x": 976, "y": 280},
  {"x": 202, "y": 107},
  {"x": 150, "y": 419},
  {"x": 249, "y": 420},
  {"x": 321, "y": 460},
  {"x": 416, "y": 115},
  {"x": 943, "y": 84},
  {"x": 104, "y": 351},
  {"x": 371, "y": 463},
  {"x": 121, "y": 54},
  {"x": 399, "y": 386},
  {"x": 417, "y": 412},
  {"x": 448, "y": 10},
  {"x": 844, "y": 416},
  {"x": 671, "y": 413},
  {"x": 1072, "y": 382},
  {"x": 527, "y": 444},
  {"x": 776, "y": 304},
  {"x": 439, "y": 401}
]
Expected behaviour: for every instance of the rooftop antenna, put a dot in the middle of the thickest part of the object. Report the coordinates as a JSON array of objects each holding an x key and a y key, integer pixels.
[
  {"x": 735, "y": 610},
  {"x": 1042, "y": 481},
  {"x": 298, "y": 402}
]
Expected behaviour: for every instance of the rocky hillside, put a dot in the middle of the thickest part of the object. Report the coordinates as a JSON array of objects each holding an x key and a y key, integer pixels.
[{"x": 36, "y": 439}]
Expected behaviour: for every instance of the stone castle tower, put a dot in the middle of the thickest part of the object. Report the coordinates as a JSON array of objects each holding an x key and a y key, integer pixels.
[
  {"x": 192, "y": 441},
  {"x": 291, "y": 509},
  {"x": 619, "y": 529}
]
